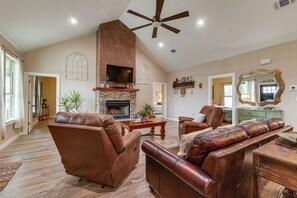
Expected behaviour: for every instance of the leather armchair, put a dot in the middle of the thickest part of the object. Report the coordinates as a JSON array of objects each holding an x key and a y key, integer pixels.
[
  {"x": 214, "y": 118},
  {"x": 92, "y": 147}
]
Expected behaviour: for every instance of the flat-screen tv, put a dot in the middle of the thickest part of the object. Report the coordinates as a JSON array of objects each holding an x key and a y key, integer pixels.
[{"x": 119, "y": 74}]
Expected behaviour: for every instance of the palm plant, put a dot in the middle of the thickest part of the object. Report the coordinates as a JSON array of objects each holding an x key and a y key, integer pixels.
[
  {"x": 72, "y": 102},
  {"x": 149, "y": 109},
  {"x": 76, "y": 99},
  {"x": 65, "y": 103}
]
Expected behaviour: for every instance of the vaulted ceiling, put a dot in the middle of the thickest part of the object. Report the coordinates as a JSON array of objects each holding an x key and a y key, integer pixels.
[{"x": 230, "y": 27}]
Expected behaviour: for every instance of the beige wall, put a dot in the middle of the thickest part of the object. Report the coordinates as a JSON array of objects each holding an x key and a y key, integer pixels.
[
  {"x": 10, "y": 132},
  {"x": 283, "y": 57},
  {"x": 145, "y": 95},
  {"x": 49, "y": 93},
  {"x": 218, "y": 84},
  {"x": 51, "y": 59}
]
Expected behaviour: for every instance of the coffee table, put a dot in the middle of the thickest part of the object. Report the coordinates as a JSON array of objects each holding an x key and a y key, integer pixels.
[{"x": 131, "y": 125}]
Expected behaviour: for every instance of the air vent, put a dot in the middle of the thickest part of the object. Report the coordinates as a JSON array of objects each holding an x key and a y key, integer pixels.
[
  {"x": 279, "y": 4},
  {"x": 173, "y": 51}
]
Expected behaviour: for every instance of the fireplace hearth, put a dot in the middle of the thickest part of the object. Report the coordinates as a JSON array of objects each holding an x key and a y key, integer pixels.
[{"x": 119, "y": 109}]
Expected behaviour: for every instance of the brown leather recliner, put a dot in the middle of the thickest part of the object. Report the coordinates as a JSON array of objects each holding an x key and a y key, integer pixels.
[
  {"x": 92, "y": 147},
  {"x": 214, "y": 118}
]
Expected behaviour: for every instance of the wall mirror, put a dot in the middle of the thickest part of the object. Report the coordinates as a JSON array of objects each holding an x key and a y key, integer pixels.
[{"x": 262, "y": 87}]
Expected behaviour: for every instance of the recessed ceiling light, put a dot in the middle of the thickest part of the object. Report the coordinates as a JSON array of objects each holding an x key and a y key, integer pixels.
[
  {"x": 73, "y": 21},
  {"x": 161, "y": 44},
  {"x": 200, "y": 22}
]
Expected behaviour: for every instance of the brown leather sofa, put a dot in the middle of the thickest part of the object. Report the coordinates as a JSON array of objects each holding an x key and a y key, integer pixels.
[
  {"x": 92, "y": 147},
  {"x": 219, "y": 162},
  {"x": 214, "y": 118}
]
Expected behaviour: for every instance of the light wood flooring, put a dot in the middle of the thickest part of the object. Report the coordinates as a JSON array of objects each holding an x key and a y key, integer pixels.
[{"x": 42, "y": 173}]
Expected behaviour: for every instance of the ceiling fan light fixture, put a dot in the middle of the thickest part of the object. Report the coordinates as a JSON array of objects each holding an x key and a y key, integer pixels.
[{"x": 156, "y": 24}]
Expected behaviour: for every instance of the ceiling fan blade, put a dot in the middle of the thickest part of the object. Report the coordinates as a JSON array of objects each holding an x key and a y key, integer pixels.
[
  {"x": 140, "y": 15},
  {"x": 177, "y": 16},
  {"x": 170, "y": 28},
  {"x": 159, "y": 7},
  {"x": 142, "y": 26},
  {"x": 155, "y": 31}
]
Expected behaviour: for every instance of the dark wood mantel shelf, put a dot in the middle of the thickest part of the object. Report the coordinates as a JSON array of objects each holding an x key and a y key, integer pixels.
[{"x": 114, "y": 89}]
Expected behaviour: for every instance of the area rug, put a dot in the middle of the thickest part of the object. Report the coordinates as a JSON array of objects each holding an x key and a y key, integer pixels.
[{"x": 7, "y": 171}]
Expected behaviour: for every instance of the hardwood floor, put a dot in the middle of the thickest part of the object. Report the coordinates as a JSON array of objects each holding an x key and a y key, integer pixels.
[{"x": 42, "y": 173}]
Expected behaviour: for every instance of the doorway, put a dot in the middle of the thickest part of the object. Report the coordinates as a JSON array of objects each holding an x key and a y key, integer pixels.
[
  {"x": 222, "y": 93},
  {"x": 159, "y": 99},
  {"x": 41, "y": 98}
]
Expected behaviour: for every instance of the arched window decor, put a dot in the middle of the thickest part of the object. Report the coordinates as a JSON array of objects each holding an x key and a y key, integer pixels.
[
  {"x": 142, "y": 74},
  {"x": 76, "y": 65}
]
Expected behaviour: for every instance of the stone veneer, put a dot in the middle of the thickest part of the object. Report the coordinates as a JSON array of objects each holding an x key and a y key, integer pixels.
[{"x": 102, "y": 96}]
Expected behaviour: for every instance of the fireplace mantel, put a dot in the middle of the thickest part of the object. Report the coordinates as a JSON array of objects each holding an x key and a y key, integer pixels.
[{"x": 114, "y": 89}]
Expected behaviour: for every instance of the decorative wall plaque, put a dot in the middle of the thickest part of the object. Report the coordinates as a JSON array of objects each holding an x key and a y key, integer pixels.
[
  {"x": 142, "y": 74},
  {"x": 76, "y": 65}
]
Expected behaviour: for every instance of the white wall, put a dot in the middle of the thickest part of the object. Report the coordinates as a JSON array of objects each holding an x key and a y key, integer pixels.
[
  {"x": 283, "y": 57},
  {"x": 51, "y": 59},
  {"x": 157, "y": 74}
]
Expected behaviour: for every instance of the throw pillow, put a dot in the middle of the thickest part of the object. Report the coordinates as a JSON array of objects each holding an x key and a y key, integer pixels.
[
  {"x": 199, "y": 118},
  {"x": 187, "y": 139}
]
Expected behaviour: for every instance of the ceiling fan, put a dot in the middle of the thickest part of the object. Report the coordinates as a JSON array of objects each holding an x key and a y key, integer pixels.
[{"x": 156, "y": 21}]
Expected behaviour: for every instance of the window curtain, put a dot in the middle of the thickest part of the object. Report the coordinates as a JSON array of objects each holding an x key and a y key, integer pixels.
[
  {"x": 18, "y": 96},
  {"x": 2, "y": 107}
]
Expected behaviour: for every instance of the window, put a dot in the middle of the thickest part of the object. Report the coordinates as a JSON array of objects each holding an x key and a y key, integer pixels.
[
  {"x": 9, "y": 87},
  {"x": 228, "y": 95}
]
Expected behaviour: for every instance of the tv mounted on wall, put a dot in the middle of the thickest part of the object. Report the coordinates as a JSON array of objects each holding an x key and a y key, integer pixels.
[{"x": 119, "y": 74}]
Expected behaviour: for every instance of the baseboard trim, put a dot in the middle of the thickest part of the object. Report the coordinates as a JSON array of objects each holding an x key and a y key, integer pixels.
[
  {"x": 5, "y": 144},
  {"x": 172, "y": 119}
]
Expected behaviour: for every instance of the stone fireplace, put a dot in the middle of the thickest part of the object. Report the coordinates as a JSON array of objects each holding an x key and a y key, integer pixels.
[
  {"x": 116, "y": 45},
  {"x": 119, "y": 109},
  {"x": 119, "y": 104}
]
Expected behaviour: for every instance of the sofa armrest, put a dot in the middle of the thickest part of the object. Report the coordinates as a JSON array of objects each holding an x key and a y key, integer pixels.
[
  {"x": 131, "y": 138},
  {"x": 183, "y": 169},
  {"x": 195, "y": 124},
  {"x": 183, "y": 118}
]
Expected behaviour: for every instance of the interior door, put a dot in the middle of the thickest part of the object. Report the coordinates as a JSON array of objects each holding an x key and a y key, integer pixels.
[{"x": 159, "y": 99}]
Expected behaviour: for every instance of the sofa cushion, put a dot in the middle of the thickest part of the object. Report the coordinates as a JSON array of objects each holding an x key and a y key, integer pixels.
[
  {"x": 213, "y": 140},
  {"x": 112, "y": 128},
  {"x": 254, "y": 128},
  {"x": 273, "y": 123},
  {"x": 186, "y": 140}
]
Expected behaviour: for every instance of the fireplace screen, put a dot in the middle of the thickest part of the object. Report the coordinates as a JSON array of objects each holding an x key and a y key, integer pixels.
[{"x": 119, "y": 109}]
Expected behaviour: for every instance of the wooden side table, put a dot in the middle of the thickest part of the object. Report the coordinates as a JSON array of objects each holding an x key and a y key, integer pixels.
[
  {"x": 45, "y": 113},
  {"x": 276, "y": 163}
]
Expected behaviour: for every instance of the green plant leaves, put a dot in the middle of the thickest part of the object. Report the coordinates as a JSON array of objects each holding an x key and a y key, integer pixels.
[{"x": 72, "y": 102}]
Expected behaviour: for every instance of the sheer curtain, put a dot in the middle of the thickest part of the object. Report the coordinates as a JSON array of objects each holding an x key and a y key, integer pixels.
[
  {"x": 18, "y": 95},
  {"x": 2, "y": 107}
]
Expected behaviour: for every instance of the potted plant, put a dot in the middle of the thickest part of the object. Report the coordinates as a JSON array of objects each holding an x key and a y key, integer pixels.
[
  {"x": 142, "y": 114},
  {"x": 72, "y": 102},
  {"x": 149, "y": 110}
]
